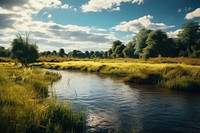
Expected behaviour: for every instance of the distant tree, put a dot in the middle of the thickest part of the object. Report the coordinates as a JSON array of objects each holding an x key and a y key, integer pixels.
[
  {"x": 61, "y": 52},
  {"x": 54, "y": 53},
  {"x": 157, "y": 42},
  {"x": 4, "y": 52},
  {"x": 92, "y": 54},
  {"x": 140, "y": 40},
  {"x": 109, "y": 55},
  {"x": 87, "y": 54},
  {"x": 119, "y": 51},
  {"x": 115, "y": 44},
  {"x": 76, "y": 54},
  {"x": 96, "y": 54},
  {"x": 24, "y": 51},
  {"x": 2, "y": 48},
  {"x": 45, "y": 53},
  {"x": 128, "y": 52},
  {"x": 190, "y": 39},
  {"x": 150, "y": 51},
  {"x": 105, "y": 54}
]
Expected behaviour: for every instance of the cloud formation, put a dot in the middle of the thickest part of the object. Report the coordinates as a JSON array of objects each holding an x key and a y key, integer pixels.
[
  {"x": 173, "y": 34},
  {"x": 16, "y": 17},
  {"x": 99, "y": 5},
  {"x": 136, "y": 24},
  {"x": 193, "y": 14}
]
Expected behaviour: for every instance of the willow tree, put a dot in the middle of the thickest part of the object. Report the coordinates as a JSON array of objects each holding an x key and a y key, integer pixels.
[{"x": 24, "y": 51}]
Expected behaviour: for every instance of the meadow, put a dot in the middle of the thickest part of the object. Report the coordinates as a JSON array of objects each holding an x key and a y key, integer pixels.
[
  {"x": 173, "y": 73},
  {"x": 25, "y": 105}
]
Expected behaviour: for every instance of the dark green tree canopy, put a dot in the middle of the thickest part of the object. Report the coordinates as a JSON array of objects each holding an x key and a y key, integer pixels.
[
  {"x": 24, "y": 51},
  {"x": 4, "y": 52},
  {"x": 140, "y": 40},
  {"x": 190, "y": 39},
  {"x": 148, "y": 44},
  {"x": 61, "y": 52},
  {"x": 128, "y": 52}
]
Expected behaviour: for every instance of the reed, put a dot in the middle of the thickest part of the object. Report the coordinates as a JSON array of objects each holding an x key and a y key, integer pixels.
[{"x": 24, "y": 106}]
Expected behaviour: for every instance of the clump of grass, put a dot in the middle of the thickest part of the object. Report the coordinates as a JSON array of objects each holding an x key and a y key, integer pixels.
[
  {"x": 179, "y": 78},
  {"x": 24, "y": 107},
  {"x": 144, "y": 78},
  {"x": 62, "y": 117},
  {"x": 41, "y": 88}
]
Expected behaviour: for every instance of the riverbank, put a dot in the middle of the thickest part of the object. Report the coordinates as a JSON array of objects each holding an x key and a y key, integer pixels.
[
  {"x": 25, "y": 106},
  {"x": 175, "y": 76}
]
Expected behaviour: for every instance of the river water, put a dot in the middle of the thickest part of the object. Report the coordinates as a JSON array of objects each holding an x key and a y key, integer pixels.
[{"x": 110, "y": 105}]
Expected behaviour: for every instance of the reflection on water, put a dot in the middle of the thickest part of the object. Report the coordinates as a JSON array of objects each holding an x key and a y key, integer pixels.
[
  {"x": 110, "y": 105},
  {"x": 99, "y": 121}
]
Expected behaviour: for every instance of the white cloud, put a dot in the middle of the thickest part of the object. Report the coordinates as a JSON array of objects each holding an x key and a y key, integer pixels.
[
  {"x": 135, "y": 25},
  {"x": 66, "y": 6},
  {"x": 186, "y": 9},
  {"x": 138, "y": 1},
  {"x": 99, "y": 5},
  {"x": 116, "y": 9},
  {"x": 49, "y": 16},
  {"x": 17, "y": 18},
  {"x": 194, "y": 14},
  {"x": 173, "y": 34}
]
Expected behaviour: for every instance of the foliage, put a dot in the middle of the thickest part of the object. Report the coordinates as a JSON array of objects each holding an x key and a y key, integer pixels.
[
  {"x": 24, "y": 51},
  {"x": 61, "y": 52},
  {"x": 140, "y": 40},
  {"x": 147, "y": 44},
  {"x": 190, "y": 39},
  {"x": 4, "y": 52},
  {"x": 128, "y": 51},
  {"x": 22, "y": 109}
]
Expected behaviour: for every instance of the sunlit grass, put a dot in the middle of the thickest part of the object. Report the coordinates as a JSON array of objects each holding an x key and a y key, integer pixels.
[
  {"x": 175, "y": 76},
  {"x": 24, "y": 106},
  {"x": 178, "y": 60}
]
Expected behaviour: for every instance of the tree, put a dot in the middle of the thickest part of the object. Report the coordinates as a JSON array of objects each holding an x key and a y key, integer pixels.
[
  {"x": 61, "y": 52},
  {"x": 128, "y": 52},
  {"x": 54, "y": 52},
  {"x": 157, "y": 42},
  {"x": 24, "y": 51},
  {"x": 114, "y": 47},
  {"x": 119, "y": 51},
  {"x": 76, "y": 54},
  {"x": 87, "y": 54},
  {"x": 190, "y": 38},
  {"x": 4, "y": 52},
  {"x": 105, "y": 54},
  {"x": 109, "y": 54},
  {"x": 140, "y": 40}
]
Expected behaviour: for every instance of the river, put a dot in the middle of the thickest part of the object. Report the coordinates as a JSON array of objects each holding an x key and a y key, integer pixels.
[{"x": 110, "y": 105}]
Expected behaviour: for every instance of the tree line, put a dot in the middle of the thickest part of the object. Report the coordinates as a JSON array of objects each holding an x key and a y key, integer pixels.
[{"x": 146, "y": 44}]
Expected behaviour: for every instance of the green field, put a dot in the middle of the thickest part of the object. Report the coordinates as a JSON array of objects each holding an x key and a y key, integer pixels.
[
  {"x": 169, "y": 74},
  {"x": 25, "y": 106}
]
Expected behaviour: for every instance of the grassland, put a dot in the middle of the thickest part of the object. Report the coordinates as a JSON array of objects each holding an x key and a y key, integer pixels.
[
  {"x": 170, "y": 73},
  {"x": 25, "y": 106}
]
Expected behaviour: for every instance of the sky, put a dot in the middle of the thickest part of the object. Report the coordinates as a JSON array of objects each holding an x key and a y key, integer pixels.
[{"x": 90, "y": 24}]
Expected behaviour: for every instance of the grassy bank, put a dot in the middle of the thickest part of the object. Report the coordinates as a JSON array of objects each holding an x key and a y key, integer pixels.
[
  {"x": 24, "y": 106},
  {"x": 179, "y": 60},
  {"x": 175, "y": 76}
]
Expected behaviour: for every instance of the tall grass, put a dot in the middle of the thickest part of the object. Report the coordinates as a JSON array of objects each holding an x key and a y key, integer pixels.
[
  {"x": 174, "y": 76},
  {"x": 24, "y": 106}
]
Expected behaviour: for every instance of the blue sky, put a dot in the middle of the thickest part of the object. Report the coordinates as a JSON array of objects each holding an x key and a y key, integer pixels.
[{"x": 90, "y": 24}]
